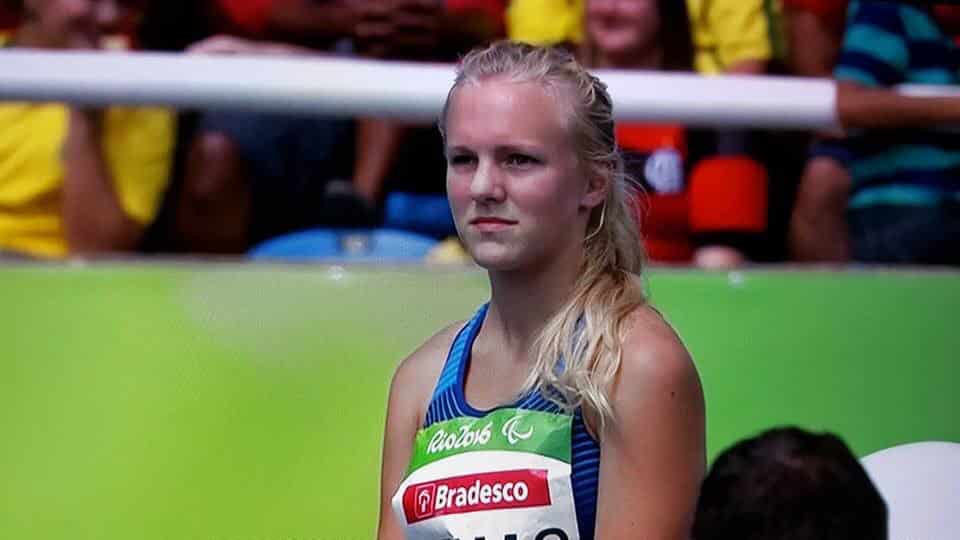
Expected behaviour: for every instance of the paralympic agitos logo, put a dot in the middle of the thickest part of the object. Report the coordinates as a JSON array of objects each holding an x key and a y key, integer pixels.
[
  {"x": 513, "y": 433},
  {"x": 523, "y": 488}
]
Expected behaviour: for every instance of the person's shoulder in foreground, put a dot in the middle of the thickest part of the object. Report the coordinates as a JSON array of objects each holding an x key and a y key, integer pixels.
[{"x": 790, "y": 483}]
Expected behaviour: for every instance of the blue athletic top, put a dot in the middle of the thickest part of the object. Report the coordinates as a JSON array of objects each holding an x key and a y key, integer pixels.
[{"x": 448, "y": 402}]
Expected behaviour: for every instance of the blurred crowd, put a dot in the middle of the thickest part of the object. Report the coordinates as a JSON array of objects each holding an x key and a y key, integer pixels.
[{"x": 883, "y": 188}]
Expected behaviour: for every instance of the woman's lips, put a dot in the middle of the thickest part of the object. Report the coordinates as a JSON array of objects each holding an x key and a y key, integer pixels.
[{"x": 491, "y": 224}]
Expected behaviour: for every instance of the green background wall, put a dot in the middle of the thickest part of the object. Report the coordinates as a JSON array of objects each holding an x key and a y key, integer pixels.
[{"x": 247, "y": 402}]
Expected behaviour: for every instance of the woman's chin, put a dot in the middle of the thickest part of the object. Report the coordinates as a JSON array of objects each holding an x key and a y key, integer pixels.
[{"x": 494, "y": 257}]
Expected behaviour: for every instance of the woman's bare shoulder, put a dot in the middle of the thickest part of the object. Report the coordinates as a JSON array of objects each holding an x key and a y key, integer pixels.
[
  {"x": 421, "y": 368},
  {"x": 653, "y": 353}
]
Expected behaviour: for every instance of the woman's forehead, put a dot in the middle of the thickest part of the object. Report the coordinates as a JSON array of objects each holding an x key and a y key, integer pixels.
[{"x": 499, "y": 108}]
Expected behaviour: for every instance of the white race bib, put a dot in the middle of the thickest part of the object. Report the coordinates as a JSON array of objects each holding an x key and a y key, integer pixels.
[{"x": 503, "y": 476}]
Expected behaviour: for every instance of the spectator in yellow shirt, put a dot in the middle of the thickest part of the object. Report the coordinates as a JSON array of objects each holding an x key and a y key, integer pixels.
[
  {"x": 733, "y": 36},
  {"x": 74, "y": 179},
  {"x": 545, "y": 22}
]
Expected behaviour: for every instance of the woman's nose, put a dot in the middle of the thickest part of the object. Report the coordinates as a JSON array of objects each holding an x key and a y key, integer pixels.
[{"x": 486, "y": 185}]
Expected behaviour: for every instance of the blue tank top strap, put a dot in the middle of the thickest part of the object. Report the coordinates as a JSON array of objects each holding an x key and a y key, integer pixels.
[{"x": 441, "y": 406}]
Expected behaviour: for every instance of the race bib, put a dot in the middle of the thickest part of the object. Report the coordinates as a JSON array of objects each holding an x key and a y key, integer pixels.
[{"x": 502, "y": 476}]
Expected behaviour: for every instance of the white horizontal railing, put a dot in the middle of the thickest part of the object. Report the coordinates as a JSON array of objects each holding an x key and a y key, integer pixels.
[{"x": 414, "y": 91}]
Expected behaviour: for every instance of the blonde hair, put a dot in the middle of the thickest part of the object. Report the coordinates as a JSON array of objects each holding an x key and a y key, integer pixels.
[{"x": 578, "y": 351}]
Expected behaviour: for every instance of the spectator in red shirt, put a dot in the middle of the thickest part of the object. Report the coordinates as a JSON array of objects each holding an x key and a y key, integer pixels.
[
  {"x": 383, "y": 28},
  {"x": 8, "y": 15},
  {"x": 948, "y": 17},
  {"x": 248, "y": 177},
  {"x": 390, "y": 155},
  {"x": 701, "y": 206}
]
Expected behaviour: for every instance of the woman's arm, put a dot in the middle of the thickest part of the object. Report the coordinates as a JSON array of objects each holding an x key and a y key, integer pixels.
[
  {"x": 653, "y": 454},
  {"x": 411, "y": 387},
  {"x": 398, "y": 439}
]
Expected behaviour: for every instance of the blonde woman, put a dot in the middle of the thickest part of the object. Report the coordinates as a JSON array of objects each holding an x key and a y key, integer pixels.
[{"x": 566, "y": 407}]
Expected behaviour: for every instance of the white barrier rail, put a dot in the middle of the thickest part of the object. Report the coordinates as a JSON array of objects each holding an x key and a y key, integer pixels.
[{"x": 414, "y": 91}]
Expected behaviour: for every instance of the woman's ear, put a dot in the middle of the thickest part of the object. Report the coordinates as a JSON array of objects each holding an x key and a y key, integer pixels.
[{"x": 596, "y": 190}]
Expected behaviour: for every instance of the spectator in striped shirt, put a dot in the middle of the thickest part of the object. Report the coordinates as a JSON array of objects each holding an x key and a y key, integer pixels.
[{"x": 900, "y": 202}]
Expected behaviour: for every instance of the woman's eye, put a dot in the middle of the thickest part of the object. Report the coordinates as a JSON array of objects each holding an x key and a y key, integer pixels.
[
  {"x": 520, "y": 160},
  {"x": 460, "y": 160}
]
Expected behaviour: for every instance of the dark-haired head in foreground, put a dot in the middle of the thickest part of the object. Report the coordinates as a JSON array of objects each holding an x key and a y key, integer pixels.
[{"x": 789, "y": 484}]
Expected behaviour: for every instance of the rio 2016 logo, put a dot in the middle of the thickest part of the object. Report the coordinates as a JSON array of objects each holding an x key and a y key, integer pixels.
[
  {"x": 513, "y": 432},
  {"x": 463, "y": 438}
]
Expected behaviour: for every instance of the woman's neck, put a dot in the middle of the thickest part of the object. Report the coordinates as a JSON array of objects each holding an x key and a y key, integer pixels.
[{"x": 523, "y": 301}]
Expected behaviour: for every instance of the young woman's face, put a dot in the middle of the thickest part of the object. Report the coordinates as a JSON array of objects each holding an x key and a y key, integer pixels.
[
  {"x": 513, "y": 179},
  {"x": 620, "y": 27},
  {"x": 77, "y": 24}
]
